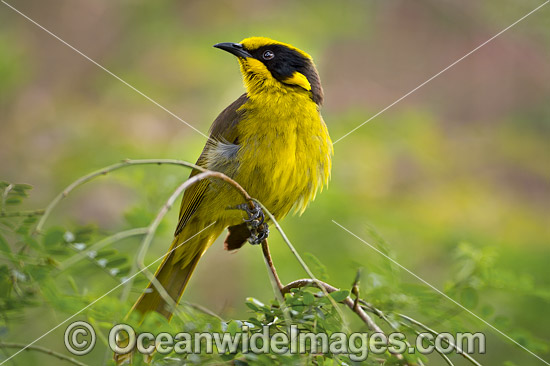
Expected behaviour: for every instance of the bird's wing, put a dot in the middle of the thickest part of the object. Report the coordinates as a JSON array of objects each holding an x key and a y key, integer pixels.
[{"x": 223, "y": 129}]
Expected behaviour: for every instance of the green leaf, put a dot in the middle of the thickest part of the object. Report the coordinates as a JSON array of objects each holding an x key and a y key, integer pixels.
[
  {"x": 232, "y": 327},
  {"x": 84, "y": 234},
  {"x": 227, "y": 356},
  {"x": 339, "y": 295},
  {"x": 252, "y": 306},
  {"x": 254, "y": 321},
  {"x": 308, "y": 298},
  {"x": 105, "y": 253},
  {"x": 117, "y": 261},
  {"x": 30, "y": 220},
  {"x": 26, "y": 225},
  {"x": 123, "y": 271},
  {"x": 21, "y": 187},
  {"x": 13, "y": 201},
  {"x": 256, "y": 302},
  {"x": 53, "y": 236}
]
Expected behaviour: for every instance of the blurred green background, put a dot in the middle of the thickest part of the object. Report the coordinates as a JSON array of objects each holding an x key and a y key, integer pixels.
[{"x": 462, "y": 160}]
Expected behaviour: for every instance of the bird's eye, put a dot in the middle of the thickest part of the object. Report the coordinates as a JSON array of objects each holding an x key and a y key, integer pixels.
[{"x": 268, "y": 55}]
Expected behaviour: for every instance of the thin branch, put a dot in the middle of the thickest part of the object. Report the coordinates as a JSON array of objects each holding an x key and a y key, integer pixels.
[
  {"x": 276, "y": 284},
  {"x": 443, "y": 355},
  {"x": 202, "y": 309},
  {"x": 301, "y": 261},
  {"x": 370, "y": 308},
  {"x": 152, "y": 228},
  {"x": 374, "y": 310},
  {"x": 43, "y": 350},
  {"x": 305, "y": 282},
  {"x": 105, "y": 171},
  {"x": 347, "y": 301},
  {"x": 383, "y": 316},
  {"x": 456, "y": 347},
  {"x": 139, "y": 262},
  {"x": 270, "y": 266},
  {"x": 321, "y": 285},
  {"x": 355, "y": 289}
]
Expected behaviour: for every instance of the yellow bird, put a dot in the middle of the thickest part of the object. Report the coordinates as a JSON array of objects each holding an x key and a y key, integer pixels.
[{"x": 272, "y": 140}]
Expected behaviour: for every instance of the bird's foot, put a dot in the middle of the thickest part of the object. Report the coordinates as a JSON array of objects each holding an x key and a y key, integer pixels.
[
  {"x": 258, "y": 234},
  {"x": 259, "y": 229},
  {"x": 256, "y": 216}
]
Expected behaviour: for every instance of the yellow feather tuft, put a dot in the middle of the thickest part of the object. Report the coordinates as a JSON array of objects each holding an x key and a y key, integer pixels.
[{"x": 298, "y": 79}]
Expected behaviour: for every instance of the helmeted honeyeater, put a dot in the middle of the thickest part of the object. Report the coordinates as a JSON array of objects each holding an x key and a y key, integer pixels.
[{"x": 272, "y": 140}]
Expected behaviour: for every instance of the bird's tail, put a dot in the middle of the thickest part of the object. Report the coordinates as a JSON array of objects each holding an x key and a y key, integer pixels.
[{"x": 173, "y": 275}]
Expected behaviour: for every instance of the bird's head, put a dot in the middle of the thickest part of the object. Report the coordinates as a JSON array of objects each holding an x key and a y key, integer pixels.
[{"x": 266, "y": 63}]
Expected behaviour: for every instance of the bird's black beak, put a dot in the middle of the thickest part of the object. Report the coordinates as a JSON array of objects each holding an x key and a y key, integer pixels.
[{"x": 236, "y": 49}]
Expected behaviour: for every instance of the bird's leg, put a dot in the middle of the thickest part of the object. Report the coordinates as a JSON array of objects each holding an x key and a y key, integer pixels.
[{"x": 259, "y": 229}]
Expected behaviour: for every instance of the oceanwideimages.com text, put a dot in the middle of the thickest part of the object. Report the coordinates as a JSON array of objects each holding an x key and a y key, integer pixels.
[{"x": 357, "y": 346}]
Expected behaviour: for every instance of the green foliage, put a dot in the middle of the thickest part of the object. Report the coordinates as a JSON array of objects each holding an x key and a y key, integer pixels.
[
  {"x": 34, "y": 274},
  {"x": 461, "y": 160}
]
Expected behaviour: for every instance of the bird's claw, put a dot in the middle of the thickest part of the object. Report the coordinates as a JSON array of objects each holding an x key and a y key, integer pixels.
[
  {"x": 259, "y": 231},
  {"x": 259, "y": 234},
  {"x": 256, "y": 216}
]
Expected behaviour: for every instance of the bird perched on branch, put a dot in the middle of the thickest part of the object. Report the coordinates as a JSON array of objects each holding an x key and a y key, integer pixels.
[{"x": 272, "y": 140}]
